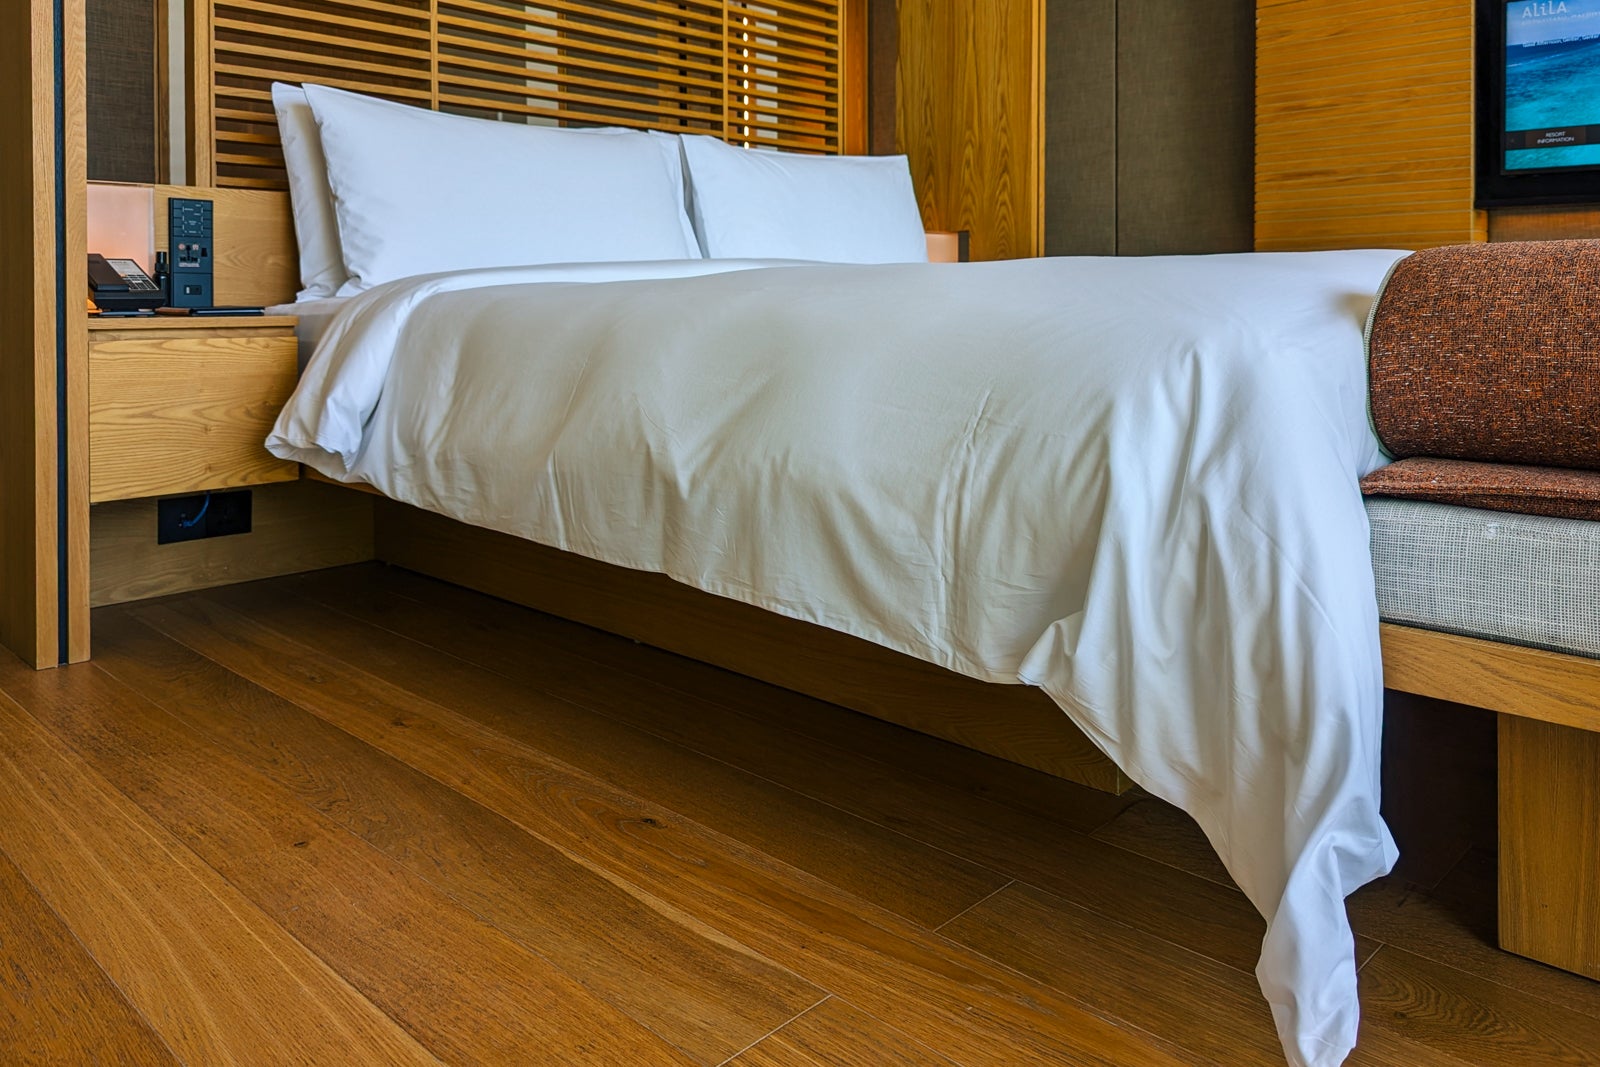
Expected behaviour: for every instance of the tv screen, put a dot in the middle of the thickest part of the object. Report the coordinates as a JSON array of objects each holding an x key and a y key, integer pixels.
[{"x": 1552, "y": 86}]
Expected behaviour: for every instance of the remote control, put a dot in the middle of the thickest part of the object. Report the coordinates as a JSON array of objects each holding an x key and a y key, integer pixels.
[{"x": 190, "y": 253}]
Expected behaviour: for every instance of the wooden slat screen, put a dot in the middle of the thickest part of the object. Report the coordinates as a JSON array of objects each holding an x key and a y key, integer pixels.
[{"x": 753, "y": 72}]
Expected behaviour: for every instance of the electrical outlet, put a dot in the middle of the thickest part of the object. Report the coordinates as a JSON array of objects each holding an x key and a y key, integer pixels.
[
  {"x": 229, "y": 514},
  {"x": 190, "y": 518}
]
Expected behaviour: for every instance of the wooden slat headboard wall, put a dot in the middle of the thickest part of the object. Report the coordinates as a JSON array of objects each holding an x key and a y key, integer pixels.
[{"x": 778, "y": 73}]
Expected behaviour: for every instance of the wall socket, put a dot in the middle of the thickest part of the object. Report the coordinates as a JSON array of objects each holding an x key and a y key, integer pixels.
[{"x": 190, "y": 518}]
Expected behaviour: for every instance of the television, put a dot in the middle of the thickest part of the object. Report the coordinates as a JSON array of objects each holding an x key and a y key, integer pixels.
[{"x": 1538, "y": 102}]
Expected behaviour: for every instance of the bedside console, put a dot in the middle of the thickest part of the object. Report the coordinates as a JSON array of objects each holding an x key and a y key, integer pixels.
[{"x": 182, "y": 405}]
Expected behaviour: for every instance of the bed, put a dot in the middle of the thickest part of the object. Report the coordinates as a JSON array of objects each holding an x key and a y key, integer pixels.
[
  {"x": 604, "y": 352},
  {"x": 1052, "y": 472},
  {"x": 1215, "y": 529}
]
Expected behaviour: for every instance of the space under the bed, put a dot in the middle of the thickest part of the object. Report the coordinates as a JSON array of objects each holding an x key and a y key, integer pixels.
[
  {"x": 1549, "y": 703},
  {"x": 1014, "y": 722}
]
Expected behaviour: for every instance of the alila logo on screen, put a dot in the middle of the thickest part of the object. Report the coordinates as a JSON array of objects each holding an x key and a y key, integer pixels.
[{"x": 1547, "y": 7}]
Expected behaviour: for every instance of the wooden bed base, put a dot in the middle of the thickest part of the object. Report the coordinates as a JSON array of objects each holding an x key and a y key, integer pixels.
[
  {"x": 1549, "y": 704},
  {"x": 1016, "y": 723}
]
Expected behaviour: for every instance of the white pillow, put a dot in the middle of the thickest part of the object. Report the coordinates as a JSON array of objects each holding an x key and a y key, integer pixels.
[
  {"x": 777, "y": 205},
  {"x": 315, "y": 227},
  {"x": 417, "y": 192},
  {"x": 671, "y": 146}
]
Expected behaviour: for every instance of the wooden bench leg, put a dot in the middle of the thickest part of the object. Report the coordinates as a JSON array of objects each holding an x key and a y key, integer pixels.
[{"x": 1550, "y": 843}]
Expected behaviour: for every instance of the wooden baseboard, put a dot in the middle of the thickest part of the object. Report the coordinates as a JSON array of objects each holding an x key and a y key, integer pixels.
[
  {"x": 1013, "y": 722},
  {"x": 297, "y": 526}
]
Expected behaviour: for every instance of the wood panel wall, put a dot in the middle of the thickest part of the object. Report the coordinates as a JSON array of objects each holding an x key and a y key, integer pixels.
[
  {"x": 42, "y": 501},
  {"x": 1364, "y": 125},
  {"x": 969, "y": 113}
]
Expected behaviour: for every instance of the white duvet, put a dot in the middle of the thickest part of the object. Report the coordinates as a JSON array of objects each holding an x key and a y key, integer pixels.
[{"x": 1132, "y": 482}]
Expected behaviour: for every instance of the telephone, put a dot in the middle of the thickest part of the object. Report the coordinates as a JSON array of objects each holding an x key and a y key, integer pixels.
[{"x": 120, "y": 285}]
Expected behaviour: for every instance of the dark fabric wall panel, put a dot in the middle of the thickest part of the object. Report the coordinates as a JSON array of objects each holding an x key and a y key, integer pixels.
[
  {"x": 122, "y": 88},
  {"x": 1081, "y": 135},
  {"x": 883, "y": 48},
  {"x": 1149, "y": 126},
  {"x": 1185, "y": 126}
]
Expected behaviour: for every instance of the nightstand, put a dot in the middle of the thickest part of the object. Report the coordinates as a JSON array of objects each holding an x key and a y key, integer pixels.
[{"x": 182, "y": 405}]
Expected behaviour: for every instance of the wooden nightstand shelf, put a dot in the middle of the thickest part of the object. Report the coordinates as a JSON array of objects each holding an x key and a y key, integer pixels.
[{"x": 180, "y": 405}]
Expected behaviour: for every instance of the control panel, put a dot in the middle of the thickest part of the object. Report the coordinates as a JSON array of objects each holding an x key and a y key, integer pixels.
[{"x": 189, "y": 241}]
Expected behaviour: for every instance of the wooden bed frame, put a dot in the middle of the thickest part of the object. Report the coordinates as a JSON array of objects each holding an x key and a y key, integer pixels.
[{"x": 1548, "y": 704}]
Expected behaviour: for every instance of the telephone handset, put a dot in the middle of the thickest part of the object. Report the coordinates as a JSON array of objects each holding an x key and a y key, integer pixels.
[{"x": 121, "y": 285}]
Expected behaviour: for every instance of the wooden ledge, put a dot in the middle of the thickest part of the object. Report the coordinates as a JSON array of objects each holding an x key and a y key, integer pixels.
[
  {"x": 1528, "y": 682},
  {"x": 312, "y": 475},
  {"x": 119, "y": 324}
]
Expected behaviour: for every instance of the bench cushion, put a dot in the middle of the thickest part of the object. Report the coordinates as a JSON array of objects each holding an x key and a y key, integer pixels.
[{"x": 1524, "y": 579}]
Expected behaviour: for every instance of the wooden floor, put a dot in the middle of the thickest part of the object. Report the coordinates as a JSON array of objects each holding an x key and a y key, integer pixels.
[{"x": 360, "y": 816}]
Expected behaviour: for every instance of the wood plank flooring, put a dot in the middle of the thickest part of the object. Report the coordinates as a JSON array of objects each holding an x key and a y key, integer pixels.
[{"x": 359, "y": 816}]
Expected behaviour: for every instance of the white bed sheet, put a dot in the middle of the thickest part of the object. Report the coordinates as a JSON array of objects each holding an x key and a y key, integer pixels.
[
  {"x": 313, "y": 316},
  {"x": 1132, "y": 482}
]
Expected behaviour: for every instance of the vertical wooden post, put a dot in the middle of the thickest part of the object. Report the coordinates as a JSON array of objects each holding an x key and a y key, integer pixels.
[
  {"x": 202, "y": 118},
  {"x": 853, "y": 90},
  {"x": 1550, "y": 843},
  {"x": 74, "y": 423},
  {"x": 42, "y": 156}
]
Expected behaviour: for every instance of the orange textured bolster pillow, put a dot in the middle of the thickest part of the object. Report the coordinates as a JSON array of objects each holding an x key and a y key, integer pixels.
[{"x": 1490, "y": 352}]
